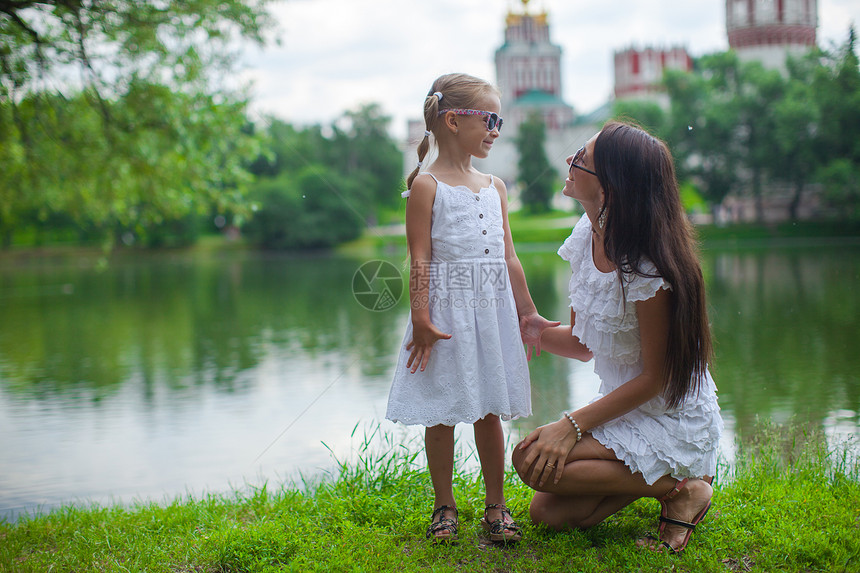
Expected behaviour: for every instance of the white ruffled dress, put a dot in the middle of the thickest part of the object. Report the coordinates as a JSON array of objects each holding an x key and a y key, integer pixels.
[
  {"x": 652, "y": 439},
  {"x": 482, "y": 368}
]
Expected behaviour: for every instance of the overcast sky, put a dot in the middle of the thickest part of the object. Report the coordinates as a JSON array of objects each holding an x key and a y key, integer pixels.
[{"x": 335, "y": 55}]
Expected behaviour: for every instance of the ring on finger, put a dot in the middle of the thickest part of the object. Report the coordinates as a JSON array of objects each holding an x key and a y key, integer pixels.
[{"x": 550, "y": 466}]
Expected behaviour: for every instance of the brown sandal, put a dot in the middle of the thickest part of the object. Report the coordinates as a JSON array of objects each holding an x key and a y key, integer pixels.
[
  {"x": 445, "y": 529},
  {"x": 498, "y": 529}
]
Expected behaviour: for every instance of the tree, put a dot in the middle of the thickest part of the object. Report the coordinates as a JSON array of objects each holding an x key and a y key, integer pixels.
[
  {"x": 315, "y": 191},
  {"x": 115, "y": 111},
  {"x": 703, "y": 118},
  {"x": 723, "y": 126},
  {"x": 740, "y": 128},
  {"x": 793, "y": 154},
  {"x": 300, "y": 210},
  {"x": 362, "y": 148},
  {"x": 759, "y": 90},
  {"x": 836, "y": 89},
  {"x": 536, "y": 175},
  {"x": 647, "y": 114}
]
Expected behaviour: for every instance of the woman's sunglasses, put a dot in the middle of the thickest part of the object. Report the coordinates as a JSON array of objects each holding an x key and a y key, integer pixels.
[
  {"x": 492, "y": 119},
  {"x": 577, "y": 157}
]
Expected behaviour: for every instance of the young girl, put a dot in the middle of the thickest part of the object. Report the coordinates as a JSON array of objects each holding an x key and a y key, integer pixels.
[
  {"x": 462, "y": 358},
  {"x": 637, "y": 301}
]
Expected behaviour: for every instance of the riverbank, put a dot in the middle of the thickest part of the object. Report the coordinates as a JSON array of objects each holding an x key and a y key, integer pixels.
[
  {"x": 789, "y": 504},
  {"x": 552, "y": 229},
  {"x": 533, "y": 232}
]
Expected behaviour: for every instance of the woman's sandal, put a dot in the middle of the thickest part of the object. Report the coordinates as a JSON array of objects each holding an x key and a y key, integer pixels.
[
  {"x": 664, "y": 518},
  {"x": 445, "y": 529},
  {"x": 498, "y": 529}
]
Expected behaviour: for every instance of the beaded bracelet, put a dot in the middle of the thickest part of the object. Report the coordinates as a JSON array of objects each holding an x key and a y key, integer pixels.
[{"x": 575, "y": 426}]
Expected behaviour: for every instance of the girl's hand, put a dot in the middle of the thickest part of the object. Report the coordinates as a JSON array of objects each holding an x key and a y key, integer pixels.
[
  {"x": 423, "y": 339},
  {"x": 548, "y": 449},
  {"x": 531, "y": 328}
]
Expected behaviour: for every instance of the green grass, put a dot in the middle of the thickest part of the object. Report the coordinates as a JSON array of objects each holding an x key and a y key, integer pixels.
[
  {"x": 750, "y": 234},
  {"x": 790, "y": 504},
  {"x": 551, "y": 229}
]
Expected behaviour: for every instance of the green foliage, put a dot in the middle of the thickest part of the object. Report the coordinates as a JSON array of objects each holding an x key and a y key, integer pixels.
[
  {"x": 704, "y": 118},
  {"x": 147, "y": 136},
  {"x": 692, "y": 199},
  {"x": 647, "y": 114},
  {"x": 841, "y": 179},
  {"x": 111, "y": 43},
  {"x": 536, "y": 176},
  {"x": 737, "y": 128},
  {"x": 363, "y": 150},
  {"x": 305, "y": 210},
  {"x": 316, "y": 191}
]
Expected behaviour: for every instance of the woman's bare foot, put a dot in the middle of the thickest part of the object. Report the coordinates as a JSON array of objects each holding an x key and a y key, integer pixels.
[{"x": 687, "y": 506}]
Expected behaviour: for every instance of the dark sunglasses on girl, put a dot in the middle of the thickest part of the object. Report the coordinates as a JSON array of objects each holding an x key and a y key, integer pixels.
[{"x": 492, "y": 119}]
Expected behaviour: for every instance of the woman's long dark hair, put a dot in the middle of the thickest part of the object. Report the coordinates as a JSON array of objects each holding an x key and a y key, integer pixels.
[{"x": 646, "y": 221}]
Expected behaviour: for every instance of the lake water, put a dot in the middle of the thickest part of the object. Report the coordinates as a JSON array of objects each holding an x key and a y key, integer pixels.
[{"x": 163, "y": 374}]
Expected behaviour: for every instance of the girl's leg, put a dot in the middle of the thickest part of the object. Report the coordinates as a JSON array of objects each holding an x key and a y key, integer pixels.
[
  {"x": 490, "y": 441},
  {"x": 439, "y": 446}
]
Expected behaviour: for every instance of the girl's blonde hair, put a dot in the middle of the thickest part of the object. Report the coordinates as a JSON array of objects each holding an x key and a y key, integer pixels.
[{"x": 458, "y": 91}]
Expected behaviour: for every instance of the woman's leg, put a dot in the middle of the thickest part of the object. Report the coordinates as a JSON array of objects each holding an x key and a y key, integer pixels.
[
  {"x": 595, "y": 484},
  {"x": 593, "y": 469},
  {"x": 582, "y": 512}
]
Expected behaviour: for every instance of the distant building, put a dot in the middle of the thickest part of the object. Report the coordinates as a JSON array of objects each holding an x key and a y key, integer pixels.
[
  {"x": 770, "y": 30},
  {"x": 528, "y": 75},
  {"x": 529, "y": 71},
  {"x": 638, "y": 72}
]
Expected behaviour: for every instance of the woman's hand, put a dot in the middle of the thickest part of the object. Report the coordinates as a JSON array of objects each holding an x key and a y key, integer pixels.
[
  {"x": 548, "y": 448},
  {"x": 423, "y": 339},
  {"x": 531, "y": 327}
]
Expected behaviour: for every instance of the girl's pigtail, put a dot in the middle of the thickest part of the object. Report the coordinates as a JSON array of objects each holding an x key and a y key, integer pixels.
[{"x": 431, "y": 108}]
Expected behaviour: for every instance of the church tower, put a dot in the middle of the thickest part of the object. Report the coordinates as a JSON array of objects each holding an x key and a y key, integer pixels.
[
  {"x": 770, "y": 30},
  {"x": 639, "y": 72},
  {"x": 528, "y": 72}
]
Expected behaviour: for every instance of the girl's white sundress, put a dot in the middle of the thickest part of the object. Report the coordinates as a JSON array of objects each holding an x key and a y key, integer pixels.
[
  {"x": 652, "y": 439},
  {"x": 482, "y": 368}
]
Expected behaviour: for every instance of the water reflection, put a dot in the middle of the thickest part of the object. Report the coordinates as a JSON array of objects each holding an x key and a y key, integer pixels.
[
  {"x": 786, "y": 325},
  {"x": 161, "y": 374}
]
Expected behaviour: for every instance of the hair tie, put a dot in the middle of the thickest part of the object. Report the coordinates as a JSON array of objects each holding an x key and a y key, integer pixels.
[
  {"x": 438, "y": 95},
  {"x": 426, "y": 133},
  {"x": 420, "y": 163}
]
